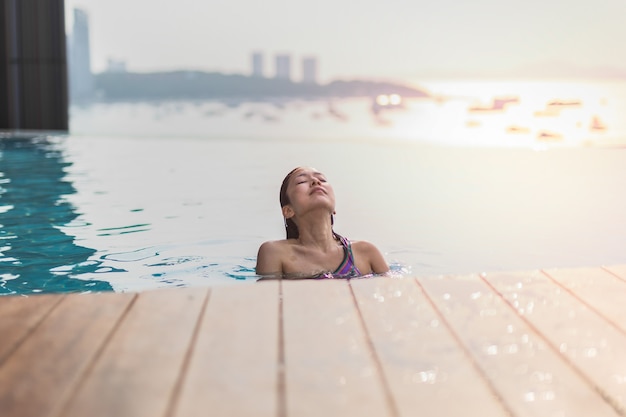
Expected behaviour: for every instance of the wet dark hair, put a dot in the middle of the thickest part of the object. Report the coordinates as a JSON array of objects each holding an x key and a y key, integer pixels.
[{"x": 290, "y": 226}]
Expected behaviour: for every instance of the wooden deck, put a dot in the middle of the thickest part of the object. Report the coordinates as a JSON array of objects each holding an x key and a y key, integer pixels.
[{"x": 539, "y": 343}]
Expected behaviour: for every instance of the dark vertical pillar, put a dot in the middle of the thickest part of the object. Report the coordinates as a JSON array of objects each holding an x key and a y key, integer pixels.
[{"x": 33, "y": 65}]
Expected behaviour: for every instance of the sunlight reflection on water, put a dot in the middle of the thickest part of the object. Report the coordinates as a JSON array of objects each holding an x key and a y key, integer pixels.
[{"x": 459, "y": 113}]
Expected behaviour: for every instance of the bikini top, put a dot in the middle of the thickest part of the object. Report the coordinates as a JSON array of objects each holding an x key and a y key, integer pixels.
[{"x": 347, "y": 268}]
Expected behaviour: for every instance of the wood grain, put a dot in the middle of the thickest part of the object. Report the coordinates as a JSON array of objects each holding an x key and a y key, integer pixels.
[
  {"x": 425, "y": 366},
  {"x": 234, "y": 367},
  {"x": 137, "y": 372},
  {"x": 534, "y": 343},
  {"x": 46, "y": 368}
]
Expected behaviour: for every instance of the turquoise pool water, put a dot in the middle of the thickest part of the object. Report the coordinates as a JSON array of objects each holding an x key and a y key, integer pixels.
[
  {"x": 32, "y": 210},
  {"x": 94, "y": 214},
  {"x": 48, "y": 243},
  {"x": 87, "y": 213}
]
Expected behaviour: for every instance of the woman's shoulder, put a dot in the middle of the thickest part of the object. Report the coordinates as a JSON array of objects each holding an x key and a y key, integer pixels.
[
  {"x": 371, "y": 254},
  {"x": 275, "y": 246},
  {"x": 270, "y": 257},
  {"x": 363, "y": 246}
]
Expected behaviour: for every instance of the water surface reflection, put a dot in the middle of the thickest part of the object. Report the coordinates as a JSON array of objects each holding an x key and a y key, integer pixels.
[{"x": 35, "y": 256}]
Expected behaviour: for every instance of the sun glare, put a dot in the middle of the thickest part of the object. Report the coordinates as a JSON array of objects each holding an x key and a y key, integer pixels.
[
  {"x": 395, "y": 99},
  {"x": 382, "y": 100},
  {"x": 532, "y": 114}
]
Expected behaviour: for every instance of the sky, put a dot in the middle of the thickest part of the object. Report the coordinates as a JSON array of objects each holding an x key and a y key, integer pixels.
[{"x": 373, "y": 39}]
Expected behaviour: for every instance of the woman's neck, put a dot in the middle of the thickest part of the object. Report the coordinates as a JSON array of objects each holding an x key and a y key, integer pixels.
[{"x": 317, "y": 231}]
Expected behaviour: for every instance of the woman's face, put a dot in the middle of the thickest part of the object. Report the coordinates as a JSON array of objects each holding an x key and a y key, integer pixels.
[{"x": 309, "y": 189}]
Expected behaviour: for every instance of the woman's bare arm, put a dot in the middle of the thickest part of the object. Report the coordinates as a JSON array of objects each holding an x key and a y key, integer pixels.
[
  {"x": 376, "y": 260},
  {"x": 268, "y": 261}
]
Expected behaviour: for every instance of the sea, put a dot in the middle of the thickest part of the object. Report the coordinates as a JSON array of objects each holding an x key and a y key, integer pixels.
[{"x": 479, "y": 176}]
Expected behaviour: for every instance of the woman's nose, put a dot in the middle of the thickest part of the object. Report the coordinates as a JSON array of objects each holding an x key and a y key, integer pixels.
[{"x": 315, "y": 181}]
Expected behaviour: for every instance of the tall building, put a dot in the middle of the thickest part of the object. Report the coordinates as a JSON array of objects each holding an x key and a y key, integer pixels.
[
  {"x": 309, "y": 70},
  {"x": 257, "y": 64},
  {"x": 283, "y": 67},
  {"x": 81, "y": 77}
]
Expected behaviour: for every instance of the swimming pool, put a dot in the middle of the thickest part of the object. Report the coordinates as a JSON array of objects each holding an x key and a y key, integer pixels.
[
  {"x": 86, "y": 213},
  {"x": 82, "y": 215}
]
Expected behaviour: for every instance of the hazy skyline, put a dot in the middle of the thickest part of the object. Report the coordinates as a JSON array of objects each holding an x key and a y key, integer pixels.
[{"x": 394, "y": 39}]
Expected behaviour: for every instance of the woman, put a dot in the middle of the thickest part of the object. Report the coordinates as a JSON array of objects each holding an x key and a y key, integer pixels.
[{"x": 312, "y": 249}]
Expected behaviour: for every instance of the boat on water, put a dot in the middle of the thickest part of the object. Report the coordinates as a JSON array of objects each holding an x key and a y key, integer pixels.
[
  {"x": 497, "y": 104},
  {"x": 597, "y": 125},
  {"x": 564, "y": 103},
  {"x": 548, "y": 136}
]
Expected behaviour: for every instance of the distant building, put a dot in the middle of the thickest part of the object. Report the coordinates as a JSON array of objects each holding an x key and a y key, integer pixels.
[
  {"x": 257, "y": 64},
  {"x": 309, "y": 70},
  {"x": 116, "y": 65},
  {"x": 283, "y": 67},
  {"x": 80, "y": 75}
]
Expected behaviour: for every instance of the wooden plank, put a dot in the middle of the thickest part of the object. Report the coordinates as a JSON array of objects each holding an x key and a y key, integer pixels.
[
  {"x": 234, "y": 367},
  {"x": 588, "y": 342},
  {"x": 137, "y": 372},
  {"x": 618, "y": 270},
  {"x": 530, "y": 377},
  {"x": 329, "y": 367},
  {"x": 424, "y": 365},
  {"x": 20, "y": 315},
  {"x": 45, "y": 369},
  {"x": 364, "y": 347},
  {"x": 598, "y": 288}
]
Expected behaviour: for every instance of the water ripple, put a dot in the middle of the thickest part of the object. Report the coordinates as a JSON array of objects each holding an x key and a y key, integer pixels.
[
  {"x": 114, "y": 231},
  {"x": 131, "y": 256}
]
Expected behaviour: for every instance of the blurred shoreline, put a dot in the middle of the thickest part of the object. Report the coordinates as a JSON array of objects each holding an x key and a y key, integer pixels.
[{"x": 129, "y": 86}]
